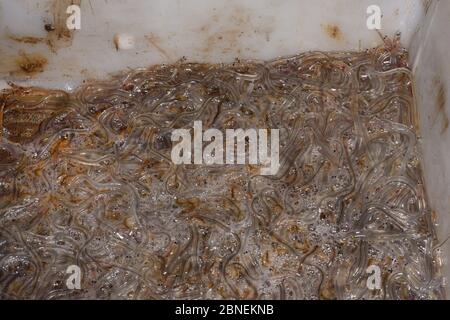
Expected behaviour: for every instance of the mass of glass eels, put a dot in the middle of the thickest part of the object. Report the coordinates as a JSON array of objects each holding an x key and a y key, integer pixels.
[{"x": 86, "y": 180}]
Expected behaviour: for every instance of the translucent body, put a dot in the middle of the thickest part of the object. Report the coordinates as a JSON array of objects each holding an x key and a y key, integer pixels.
[{"x": 87, "y": 180}]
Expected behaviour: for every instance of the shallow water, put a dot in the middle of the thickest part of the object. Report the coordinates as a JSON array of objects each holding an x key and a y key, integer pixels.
[{"x": 87, "y": 180}]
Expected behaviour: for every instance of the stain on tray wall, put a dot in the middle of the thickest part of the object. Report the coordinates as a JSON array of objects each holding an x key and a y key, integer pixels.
[{"x": 441, "y": 116}]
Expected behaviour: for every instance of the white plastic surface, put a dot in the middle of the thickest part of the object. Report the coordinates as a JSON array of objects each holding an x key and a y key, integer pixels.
[
  {"x": 430, "y": 54},
  {"x": 200, "y": 30}
]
